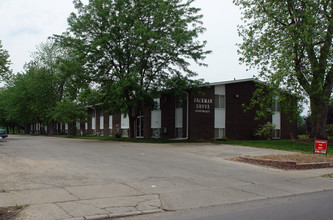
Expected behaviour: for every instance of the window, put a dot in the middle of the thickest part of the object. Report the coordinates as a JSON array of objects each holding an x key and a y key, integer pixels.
[
  {"x": 125, "y": 132},
  {"x": 78, "y": 125},
  {"x": 219, "y": 101},
  {"x": 276, "y": 134},
  {"x": 110, "y": 122},
  {"x": 179, "y": 132},
  {"x": 157, "y": 104},
  {"x": 219, "y": 133},
  {"x": 101, "y": 122}
]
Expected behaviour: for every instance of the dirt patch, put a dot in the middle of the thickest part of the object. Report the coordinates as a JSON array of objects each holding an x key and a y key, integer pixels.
[
  {"x": 289, "y": 161},
  {"x": 8, "y": 213}
]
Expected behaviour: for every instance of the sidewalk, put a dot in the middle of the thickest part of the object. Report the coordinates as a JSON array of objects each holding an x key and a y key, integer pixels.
[
  {"x": 117, "y": 200},
  {"x": 82, "y": 202}
]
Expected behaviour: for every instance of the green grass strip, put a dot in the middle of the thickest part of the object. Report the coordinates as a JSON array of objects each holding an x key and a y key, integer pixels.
[{"x": 280, "y": 145}]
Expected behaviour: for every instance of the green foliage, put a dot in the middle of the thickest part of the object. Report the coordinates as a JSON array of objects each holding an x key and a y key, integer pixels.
[
  {"x": 53, "y": 79},
  {"x": 132, "y": 48},
  {"x": 5, "y": 71},
  {"x": 329, "y": 130},
  {"x": 118, "y": 134},
  {"x": 301, "y": 125},
  {"x": 90, "y": 96},
  {"x": 265, "y": 131},
  {"x": 303, "y": 147},
  {"x": 330, "y": 175},
  {"x": 224, "y": 138},
  {"x": 69, "y": 112},
  {"x": 290, "y": 42},
  {"x": 18, "y": 207}
]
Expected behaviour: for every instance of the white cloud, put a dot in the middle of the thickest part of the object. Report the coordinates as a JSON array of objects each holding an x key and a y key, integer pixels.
[{"x": 25, "y": 24}]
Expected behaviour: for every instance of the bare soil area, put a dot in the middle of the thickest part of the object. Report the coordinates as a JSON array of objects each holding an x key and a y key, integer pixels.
[
  {"x": 287, "y": 161},
  {"x": 299, "y": 158},
  {"x": 8, "y": 213}
]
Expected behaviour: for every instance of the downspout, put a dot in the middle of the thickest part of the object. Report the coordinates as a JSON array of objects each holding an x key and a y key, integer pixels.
[{"x": 187, "y": 111}]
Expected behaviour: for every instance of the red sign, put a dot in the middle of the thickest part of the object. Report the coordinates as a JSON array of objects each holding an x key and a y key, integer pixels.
[{"x": 320, "y": 147}]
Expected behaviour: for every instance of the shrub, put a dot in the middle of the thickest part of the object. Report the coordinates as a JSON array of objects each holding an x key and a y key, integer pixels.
[
  {"x": 118, "y": 134},
  {"x": 265, "y": 131}
]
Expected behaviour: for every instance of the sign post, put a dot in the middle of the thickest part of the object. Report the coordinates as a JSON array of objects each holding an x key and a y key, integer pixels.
[{"x": 320, "y": 147}]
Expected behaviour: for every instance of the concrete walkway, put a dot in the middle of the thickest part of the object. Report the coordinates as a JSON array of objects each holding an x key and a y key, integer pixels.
[
  {"x": 118, "y": 200},
  {"x": 133, "y": 179},
  {"x": 84, "y": 202}
]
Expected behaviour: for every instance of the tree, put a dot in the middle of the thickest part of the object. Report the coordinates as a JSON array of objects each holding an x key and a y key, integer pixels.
[
  {"x": 290, "y": 42},
  {"x": 69, "y": 112},
  {"x": 53, "y": 75},
  {"x": 15, "y": 103},
  {"x": 132, "y": 48},
  {"x": 4, "y": 64}
]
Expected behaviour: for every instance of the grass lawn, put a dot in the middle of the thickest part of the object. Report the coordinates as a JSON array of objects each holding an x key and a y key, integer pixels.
[
  {"x": 286, "y": 145},
  {"x": 125, "y": 139},
  {"x": 280, "y": 145}
]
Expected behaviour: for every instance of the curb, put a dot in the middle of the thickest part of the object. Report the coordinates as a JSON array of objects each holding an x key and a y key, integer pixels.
[
  {"x": 285, "y": 165},
  {"x": 108, "y": 216}
]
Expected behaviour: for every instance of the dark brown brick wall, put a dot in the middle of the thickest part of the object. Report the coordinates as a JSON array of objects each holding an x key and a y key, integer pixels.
[
  {"x": 98, "y": 128},
  {"x": 240, "y": 124},
  {"x": 106, "y": 124},
  {"x": 201, "y": 115},
  {"x": 168, "y": 115},
  {"x": 184, "y": 117}
]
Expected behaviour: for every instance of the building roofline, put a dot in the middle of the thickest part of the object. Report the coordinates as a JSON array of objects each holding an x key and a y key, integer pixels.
[{"x": 235, "y": 81}]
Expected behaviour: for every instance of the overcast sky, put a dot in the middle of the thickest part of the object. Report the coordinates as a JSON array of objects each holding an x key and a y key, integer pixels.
[{"x": 25, "y": 24}]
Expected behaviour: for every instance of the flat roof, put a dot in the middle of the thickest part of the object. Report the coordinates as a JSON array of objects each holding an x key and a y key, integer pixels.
[{"x": 234, "y": 81}]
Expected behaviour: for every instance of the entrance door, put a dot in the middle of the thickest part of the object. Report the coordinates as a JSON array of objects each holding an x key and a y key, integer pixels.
[{"x": 139, "y": 127}]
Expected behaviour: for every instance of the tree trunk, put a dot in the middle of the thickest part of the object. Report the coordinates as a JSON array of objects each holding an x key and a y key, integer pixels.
[
  {"x": 52, "y": 130},
  {"x": 319, "y": 111},
  {"x": 132, "y": 117},
  {"x": 26, "y": 129}
]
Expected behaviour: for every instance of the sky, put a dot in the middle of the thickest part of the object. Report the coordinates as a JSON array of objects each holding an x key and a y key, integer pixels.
[{"x": 26, "y": 24}]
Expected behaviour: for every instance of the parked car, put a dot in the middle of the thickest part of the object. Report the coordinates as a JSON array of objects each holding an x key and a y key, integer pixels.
[{"x": 3, "y": 133}]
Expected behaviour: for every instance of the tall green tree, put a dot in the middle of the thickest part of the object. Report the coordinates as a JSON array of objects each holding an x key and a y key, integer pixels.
[
  {"x": 15, "y": 103},
  {"x": 132, "y": 48},
  {"x": 5, "y": 71},
  {"x": 53, "y": 74},
  {"x": 57, "y": 76},
  {"x": 290, "y": 42}
]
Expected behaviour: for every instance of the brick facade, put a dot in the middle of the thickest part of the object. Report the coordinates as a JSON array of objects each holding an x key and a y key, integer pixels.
[
  {"x": 240, "y": 124},
  {"x": 201, "y": 114},
  {"x": 198, "y": 119}
]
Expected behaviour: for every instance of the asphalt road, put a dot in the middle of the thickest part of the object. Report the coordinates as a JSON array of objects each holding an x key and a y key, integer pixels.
[
  {"x": 32, "y": 162},
  {"x": 307, "y": 206},
  {"x": 182, "y": 176}
]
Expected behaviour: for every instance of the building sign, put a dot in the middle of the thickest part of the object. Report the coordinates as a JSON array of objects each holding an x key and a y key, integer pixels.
[
  {"x": 202, "y": 105},
  {"x": 320, "y": 147}
]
